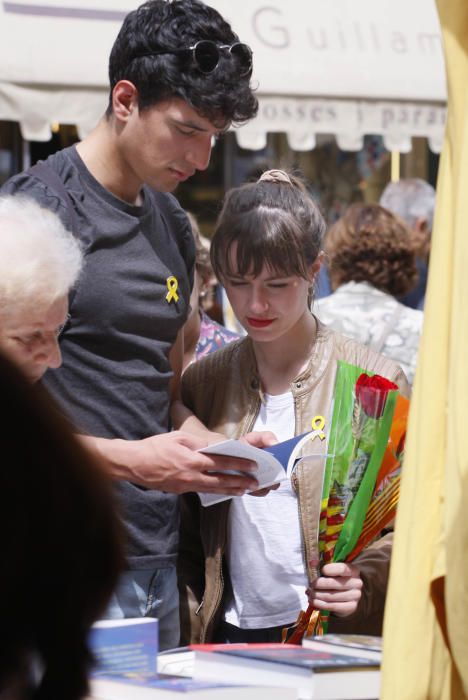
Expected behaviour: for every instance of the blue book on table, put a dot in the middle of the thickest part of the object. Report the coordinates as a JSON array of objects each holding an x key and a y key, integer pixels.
[
  {"x": 155, "y": 686},
  {"x": 125, "y": 646}
]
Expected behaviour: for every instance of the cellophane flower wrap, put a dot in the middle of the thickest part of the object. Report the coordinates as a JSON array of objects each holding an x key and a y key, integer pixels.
[
  {"x": 360, "y": 490},
  {"x": 361, "y": 423}
]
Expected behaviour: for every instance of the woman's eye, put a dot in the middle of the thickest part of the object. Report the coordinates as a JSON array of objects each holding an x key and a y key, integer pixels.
[{"x": 278, "y": 285}]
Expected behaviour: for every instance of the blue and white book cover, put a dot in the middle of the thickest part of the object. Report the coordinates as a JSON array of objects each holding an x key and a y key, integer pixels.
[
  {"x": 286, "y": 452},
  {"x": 125, "y": 646}
]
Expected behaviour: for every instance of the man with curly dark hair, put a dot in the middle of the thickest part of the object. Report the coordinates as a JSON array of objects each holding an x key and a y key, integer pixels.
[
  {"x": 179, "y": 76},
  {"x": 371, "y": 261}
]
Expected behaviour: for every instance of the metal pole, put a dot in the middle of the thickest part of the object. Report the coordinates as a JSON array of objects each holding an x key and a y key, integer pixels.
[{"x": 395, "y": 166}]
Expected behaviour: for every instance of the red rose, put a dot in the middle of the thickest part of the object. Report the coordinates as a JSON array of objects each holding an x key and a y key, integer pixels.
[{"x": 371, "y": 392}]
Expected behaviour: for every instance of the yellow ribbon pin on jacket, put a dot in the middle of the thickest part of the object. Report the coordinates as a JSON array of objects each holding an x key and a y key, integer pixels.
[
  {"x": 172, "y": 286},
  {"x": 318, "y": 424}
]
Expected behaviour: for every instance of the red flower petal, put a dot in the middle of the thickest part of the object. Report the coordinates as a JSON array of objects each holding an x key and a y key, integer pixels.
[{"x": 371, "y": 392}]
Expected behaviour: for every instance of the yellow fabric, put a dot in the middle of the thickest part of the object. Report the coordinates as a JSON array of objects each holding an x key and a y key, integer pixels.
[{"x": 430, "y": 556}]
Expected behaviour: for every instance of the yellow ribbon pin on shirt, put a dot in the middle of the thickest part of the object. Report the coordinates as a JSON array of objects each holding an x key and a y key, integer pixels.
[
  {"x": 172, "y": 285},
  {"x": 318, "y": 424}
]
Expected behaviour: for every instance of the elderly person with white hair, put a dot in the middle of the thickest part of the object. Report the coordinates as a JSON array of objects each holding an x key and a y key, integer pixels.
[
  {"x": 413, "y": 200},
  {"x": 39, "y": 263}
]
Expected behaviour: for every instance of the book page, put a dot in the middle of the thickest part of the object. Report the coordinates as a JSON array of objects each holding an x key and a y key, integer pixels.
[{"x": 270, "y": 471}]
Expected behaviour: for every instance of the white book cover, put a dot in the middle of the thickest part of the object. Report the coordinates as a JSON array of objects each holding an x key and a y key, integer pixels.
[{"x": 275, "y": 463}]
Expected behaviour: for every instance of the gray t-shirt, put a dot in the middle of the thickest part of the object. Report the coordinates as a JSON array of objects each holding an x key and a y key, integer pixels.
[{"x": 114, "y": 380}]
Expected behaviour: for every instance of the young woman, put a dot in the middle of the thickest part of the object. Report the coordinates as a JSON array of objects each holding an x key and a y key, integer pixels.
[{"x": 246, "y": 564}]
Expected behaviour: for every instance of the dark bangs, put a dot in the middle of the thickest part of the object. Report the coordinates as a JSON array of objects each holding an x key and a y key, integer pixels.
[{"x": 264, "y": 237}]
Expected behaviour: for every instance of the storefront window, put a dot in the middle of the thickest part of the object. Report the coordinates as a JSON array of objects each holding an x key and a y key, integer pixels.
[{"x": 334, "y": 177}]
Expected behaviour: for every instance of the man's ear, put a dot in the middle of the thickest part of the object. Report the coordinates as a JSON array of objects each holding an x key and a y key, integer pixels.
[
  {"x": 124, "y": 100},
  {"x": 421, "y": 224},
  {"x": 421, "y": 237}
]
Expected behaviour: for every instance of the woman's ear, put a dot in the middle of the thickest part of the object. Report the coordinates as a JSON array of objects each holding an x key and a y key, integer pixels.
[{"x": 314, "y": 268}]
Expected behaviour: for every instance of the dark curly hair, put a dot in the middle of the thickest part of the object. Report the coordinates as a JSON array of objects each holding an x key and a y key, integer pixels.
[
  {"x": 370, "y": 244},
  {"x": 223, "y": 96}
]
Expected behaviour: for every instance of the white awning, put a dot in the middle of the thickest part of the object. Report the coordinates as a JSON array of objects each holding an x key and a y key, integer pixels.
[
  {"x": 344, "y": 67},
  {"x": 341, "y": 67},
  {"x": 53, "y": 61}
]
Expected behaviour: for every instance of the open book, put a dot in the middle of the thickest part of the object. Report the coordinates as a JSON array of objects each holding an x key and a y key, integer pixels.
[{"x": 275, "y": 463}]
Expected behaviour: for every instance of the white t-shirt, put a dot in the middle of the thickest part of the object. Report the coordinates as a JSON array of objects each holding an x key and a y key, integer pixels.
[{"x": 265, "y": 553}]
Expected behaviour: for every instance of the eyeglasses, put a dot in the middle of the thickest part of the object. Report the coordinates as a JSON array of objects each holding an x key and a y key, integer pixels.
[{"x": 205, "y": 54}]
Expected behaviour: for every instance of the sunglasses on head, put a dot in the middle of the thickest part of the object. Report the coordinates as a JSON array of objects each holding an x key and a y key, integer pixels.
[{"x": 205, "y": 54}]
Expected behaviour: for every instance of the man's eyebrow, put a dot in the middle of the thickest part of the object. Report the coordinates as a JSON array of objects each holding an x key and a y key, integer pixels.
[
  {"x": 190, "y": 125},
  {"x": 221, "y": 130}
]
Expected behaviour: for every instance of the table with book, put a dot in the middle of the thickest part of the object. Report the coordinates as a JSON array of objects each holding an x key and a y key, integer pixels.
[{"x": 332, "y": 667}]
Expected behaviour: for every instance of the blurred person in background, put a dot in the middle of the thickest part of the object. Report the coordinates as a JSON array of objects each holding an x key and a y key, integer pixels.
[
  {"x": 61, "y": 545},
  {"x": 413, "y": 200},
  {"x": 371, "y": 261},
  {"x": 202, "y": 334},
  {"x": 40, "y": 262}
]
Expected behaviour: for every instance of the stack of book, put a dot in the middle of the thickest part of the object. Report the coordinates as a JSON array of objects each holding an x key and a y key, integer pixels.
[
  {"x": 317, "y": 674},
  {"x": 334, "y": 667},
  {"x": 126, "y": 668}
]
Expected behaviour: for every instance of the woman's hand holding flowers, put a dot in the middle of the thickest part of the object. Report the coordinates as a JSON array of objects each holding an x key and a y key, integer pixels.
[{"x": 338, "y": 589}]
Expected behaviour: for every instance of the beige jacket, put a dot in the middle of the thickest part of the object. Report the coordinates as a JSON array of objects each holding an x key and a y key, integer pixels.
[{"x": 223, "y": 390}]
